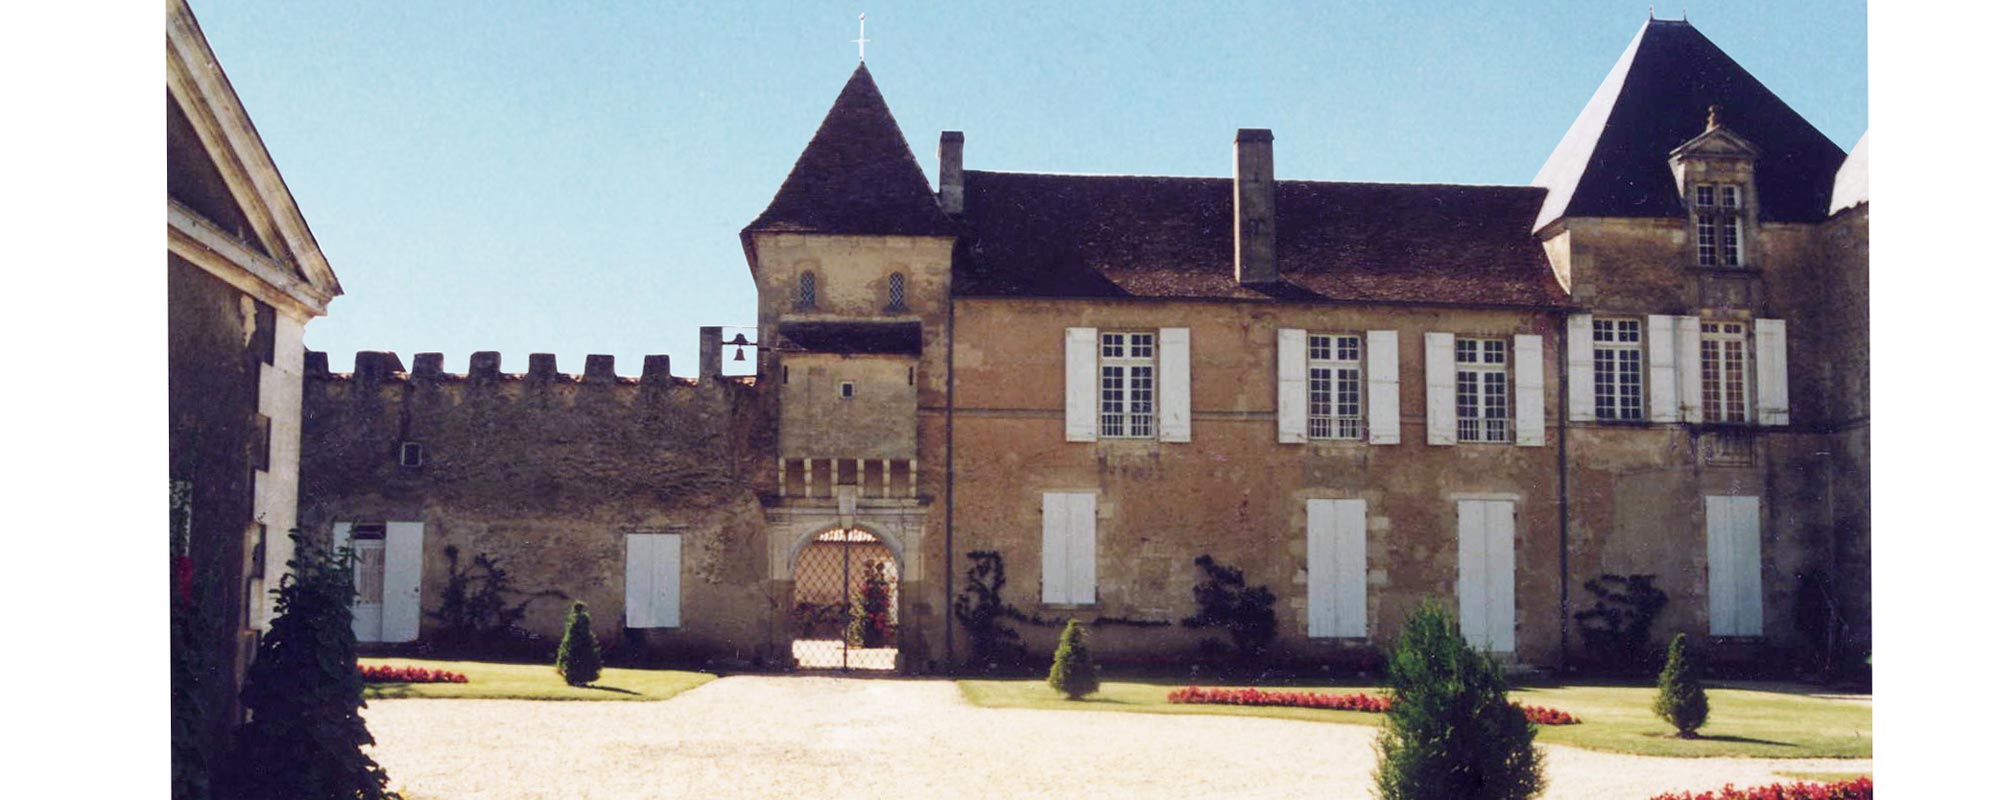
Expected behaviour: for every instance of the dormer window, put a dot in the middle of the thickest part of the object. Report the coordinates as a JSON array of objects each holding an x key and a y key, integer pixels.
[
  {"x": 1718, "y": 224},
  {"x": 808, "y": 291}
]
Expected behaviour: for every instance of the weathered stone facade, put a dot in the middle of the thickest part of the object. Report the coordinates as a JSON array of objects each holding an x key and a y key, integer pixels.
[{"x": 928, "y": 372}]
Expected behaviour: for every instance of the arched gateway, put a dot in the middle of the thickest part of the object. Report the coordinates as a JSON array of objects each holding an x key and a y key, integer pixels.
[{"x": 845, "y": 585}]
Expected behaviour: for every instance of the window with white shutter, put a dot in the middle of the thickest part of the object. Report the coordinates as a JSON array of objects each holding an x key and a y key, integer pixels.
[
  {"x": 1333, "y": 386},
  {"x": 1385, "y": 416},
  {"x": 1617, "y": 370},
  {"x": 1774, "y": 394},
  {"x": 1336, "y": 568},
  {"x": 1125, "y": 393},
  {"x": 1069, "y": 548},
  {"x": 1292, "y": 388},
  {"x": 1481, "y": 389},
  {"x": 1735, "y": 566},
  {"x": 1080, "y": 384},
  {"x": 1724, "y": 385}
]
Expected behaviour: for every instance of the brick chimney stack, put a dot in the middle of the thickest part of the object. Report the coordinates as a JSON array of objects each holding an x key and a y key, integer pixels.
[
  {"x": 951, "y": 171},
  {"x": 1256, "y": 209}
]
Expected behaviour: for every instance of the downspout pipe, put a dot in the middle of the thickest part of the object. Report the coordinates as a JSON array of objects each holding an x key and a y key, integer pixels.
[
  {"x": 950, "y": 511},
  {"x": 1562, "y": 492}
]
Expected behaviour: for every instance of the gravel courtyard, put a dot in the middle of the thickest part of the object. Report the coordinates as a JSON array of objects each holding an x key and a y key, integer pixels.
[{"x": 787, "y": 736}]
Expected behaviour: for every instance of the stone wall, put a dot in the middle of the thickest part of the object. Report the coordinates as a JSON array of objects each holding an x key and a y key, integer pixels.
[{"x": 547, "y": 472}]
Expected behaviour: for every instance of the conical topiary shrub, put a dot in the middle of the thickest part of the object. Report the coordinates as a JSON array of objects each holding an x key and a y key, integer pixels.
[
  {"x": 1450, "y": 731},
  {"x": 578, "y": 658},
  {"x": 1072, "y": 673},
  {"x": 1682, "y": 702},
  {"x": 305, "y": 733}
]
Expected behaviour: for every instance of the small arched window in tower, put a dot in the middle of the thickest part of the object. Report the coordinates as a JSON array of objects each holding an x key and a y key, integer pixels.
[
  {"x": 896, "y": 292},
  {"x": 808, "y": 290}
]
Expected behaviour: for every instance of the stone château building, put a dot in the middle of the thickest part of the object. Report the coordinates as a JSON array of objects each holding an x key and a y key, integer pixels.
[{"x": 1651, "y": 360}]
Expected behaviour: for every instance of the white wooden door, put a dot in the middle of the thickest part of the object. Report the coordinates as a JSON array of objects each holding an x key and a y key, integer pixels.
[
  {"x": 368, "y": 562},
  {"x": 1486, "y": 574},
  {"x": 1735, "y": 566}
]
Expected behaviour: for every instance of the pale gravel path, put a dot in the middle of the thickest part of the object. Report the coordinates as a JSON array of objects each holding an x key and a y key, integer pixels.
[{"x": 813, "y": 737}]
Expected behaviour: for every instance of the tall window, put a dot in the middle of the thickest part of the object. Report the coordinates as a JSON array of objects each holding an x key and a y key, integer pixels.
[
  {"x": 1482, "y": 389},
  {"x": 1125, "y": 396},
  {"x": 896, "y": 292},
  {"x": 808, "y": 290},
  {"x": 1617, "y": 368},
  {"x": 1722, "y": 380},
  {"x": 1333, "y": 386},
  {"x": 1718, "y": 224}
]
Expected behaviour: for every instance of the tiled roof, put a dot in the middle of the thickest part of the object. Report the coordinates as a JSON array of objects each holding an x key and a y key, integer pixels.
[
  {"x": 1850, "y": 185},
  {"x": 857, "y": 176},
  {"x": 1132, "y": 236},
  {"x": 1613, "y": 160}
]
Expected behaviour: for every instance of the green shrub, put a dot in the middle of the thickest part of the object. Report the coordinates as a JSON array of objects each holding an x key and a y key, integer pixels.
[
  {"x": 982, "y": 613},
  {"x": 303, "y": 691},
  {"x": 1073, "y": 674},
  {"x": 1450, "y": 731},
  {"x": 1617, "y": 628},
  {"x": 578, "y": 658},
  {"x": 1682, "y": 702}
]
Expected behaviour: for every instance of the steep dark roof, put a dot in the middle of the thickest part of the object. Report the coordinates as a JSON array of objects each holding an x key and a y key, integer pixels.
[
  {"x": 857, "y": 176},
  {"x": 1131, "y": 236},
  {"x": 894, "y": 338},
  {"x": 1613, "y": 160}
]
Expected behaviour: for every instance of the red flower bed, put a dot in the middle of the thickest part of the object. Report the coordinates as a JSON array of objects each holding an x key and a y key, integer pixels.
[
  {"x": 1375, "y": 704},
  {"x": 387, "y": 674},
  {"x": 1862, "y": 788}
]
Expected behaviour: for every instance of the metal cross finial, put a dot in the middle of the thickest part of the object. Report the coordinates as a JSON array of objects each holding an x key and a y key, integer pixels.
[{"x": 863, "y": 41}]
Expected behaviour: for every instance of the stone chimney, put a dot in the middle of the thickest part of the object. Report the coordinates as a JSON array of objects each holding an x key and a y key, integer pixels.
[
  {"x": 951, "y": 171},
  {"x": 1256, "y": 209}
]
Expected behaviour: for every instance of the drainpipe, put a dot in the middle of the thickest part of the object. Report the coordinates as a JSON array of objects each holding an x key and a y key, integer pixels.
[
  {"x": 950, "y": 413},
  {"x": 1562, "y": 491}
]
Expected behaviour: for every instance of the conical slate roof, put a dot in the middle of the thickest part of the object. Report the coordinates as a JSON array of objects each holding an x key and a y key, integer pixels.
[
  {"x": 857, "y": 176},
  {"x": 1613, "y": 161}
]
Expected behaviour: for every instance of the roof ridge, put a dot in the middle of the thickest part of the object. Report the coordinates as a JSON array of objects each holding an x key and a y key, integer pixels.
[{"x": 1307, "y": 181}]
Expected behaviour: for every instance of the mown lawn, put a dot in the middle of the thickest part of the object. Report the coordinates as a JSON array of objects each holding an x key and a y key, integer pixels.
[
  {"x": 1741, "y": 722},
  {"x": 489, "y": 681}
]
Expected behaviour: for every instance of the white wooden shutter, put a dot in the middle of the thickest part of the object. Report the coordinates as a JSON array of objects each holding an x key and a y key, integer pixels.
[
  {"x": 1055, "y": 547},
  {"x": 1529, "y": 401},
  {"x": 1082, "y": 548},
  {"x": 1472, "y": 611},
  {"x": 1385, "y": 411},
  {"x": 402, "y": 581},
  {"x": 639, "y": 581},
  {"x": 1336, "y": 568},
  {"x": 1665, "y": 399},
  {"x": 1774, "y": 395},
  {"x": 1582, "y": 369},
  {"x": 1291, "y": 385},
  {"x": 1687, "y": 358},
  {"x": 1176, "y": 423},
  {"x": 1735, "y": 566},
  {"x": 343, "y": 538},
  {"x": 1500, "y": 576},
  {"x": 1080, "y": 384},
  {"x": 666, "y": 599},
  {"x": 1440, "y": 389},
  {"x": 1486, "y": 573}
]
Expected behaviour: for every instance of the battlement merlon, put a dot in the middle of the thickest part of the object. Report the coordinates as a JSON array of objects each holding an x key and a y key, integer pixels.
[{"x": 376, "y": 366}]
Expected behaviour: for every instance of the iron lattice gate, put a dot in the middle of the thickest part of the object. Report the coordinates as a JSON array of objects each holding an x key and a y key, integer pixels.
[{"x": 844, "y": 592}]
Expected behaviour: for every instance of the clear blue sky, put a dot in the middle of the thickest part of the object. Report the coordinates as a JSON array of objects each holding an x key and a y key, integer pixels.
[{"x": 570, "y": 178}]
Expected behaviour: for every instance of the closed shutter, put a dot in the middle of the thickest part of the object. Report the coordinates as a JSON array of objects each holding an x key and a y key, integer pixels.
[
  {"x": 1291, "y": 385},
  {"x": 1083, "y": 548},
  {"x": 1664, "y": 398},
  {"x": 1385, "y": 411},
  {"x": 1175, "y": 414},
  {"x": 1486, "y": 573},
  {"x": 402, "y": 581},
  {"x": 1080, "y": 384},
  {"x": 1735, "y": 566},
  {"x": 1336, "y": 568},
  {"x": 1774, "y": 395},
  {"x": 1440, "y": 389},
  {"x": 343, "y": 538},
  {"x": 1687, "y": 358},
  {"x": 1529, "y": 401},
  {"x": 1055, "y": 547},
  {"x": 639, "y": 580},
  {"x": 666, "y": 598},
  {"x": 1582, "y": 369}
]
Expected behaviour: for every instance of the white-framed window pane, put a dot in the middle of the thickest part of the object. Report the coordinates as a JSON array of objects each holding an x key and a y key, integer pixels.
[
  {"x": 1704, "y": 237},
  {"x": 1616, "y": 368},
  {"x": 1481, "y": 390},
  {"x": 1333, "y": 386},
  {"x": 1126, "y": 388},
  {"x": 1724, "y": 388},
  {"x": 1319, "y": 403},
  {"x": 1704, "y": 195},
  {"x": 1730, "y": 197}
]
